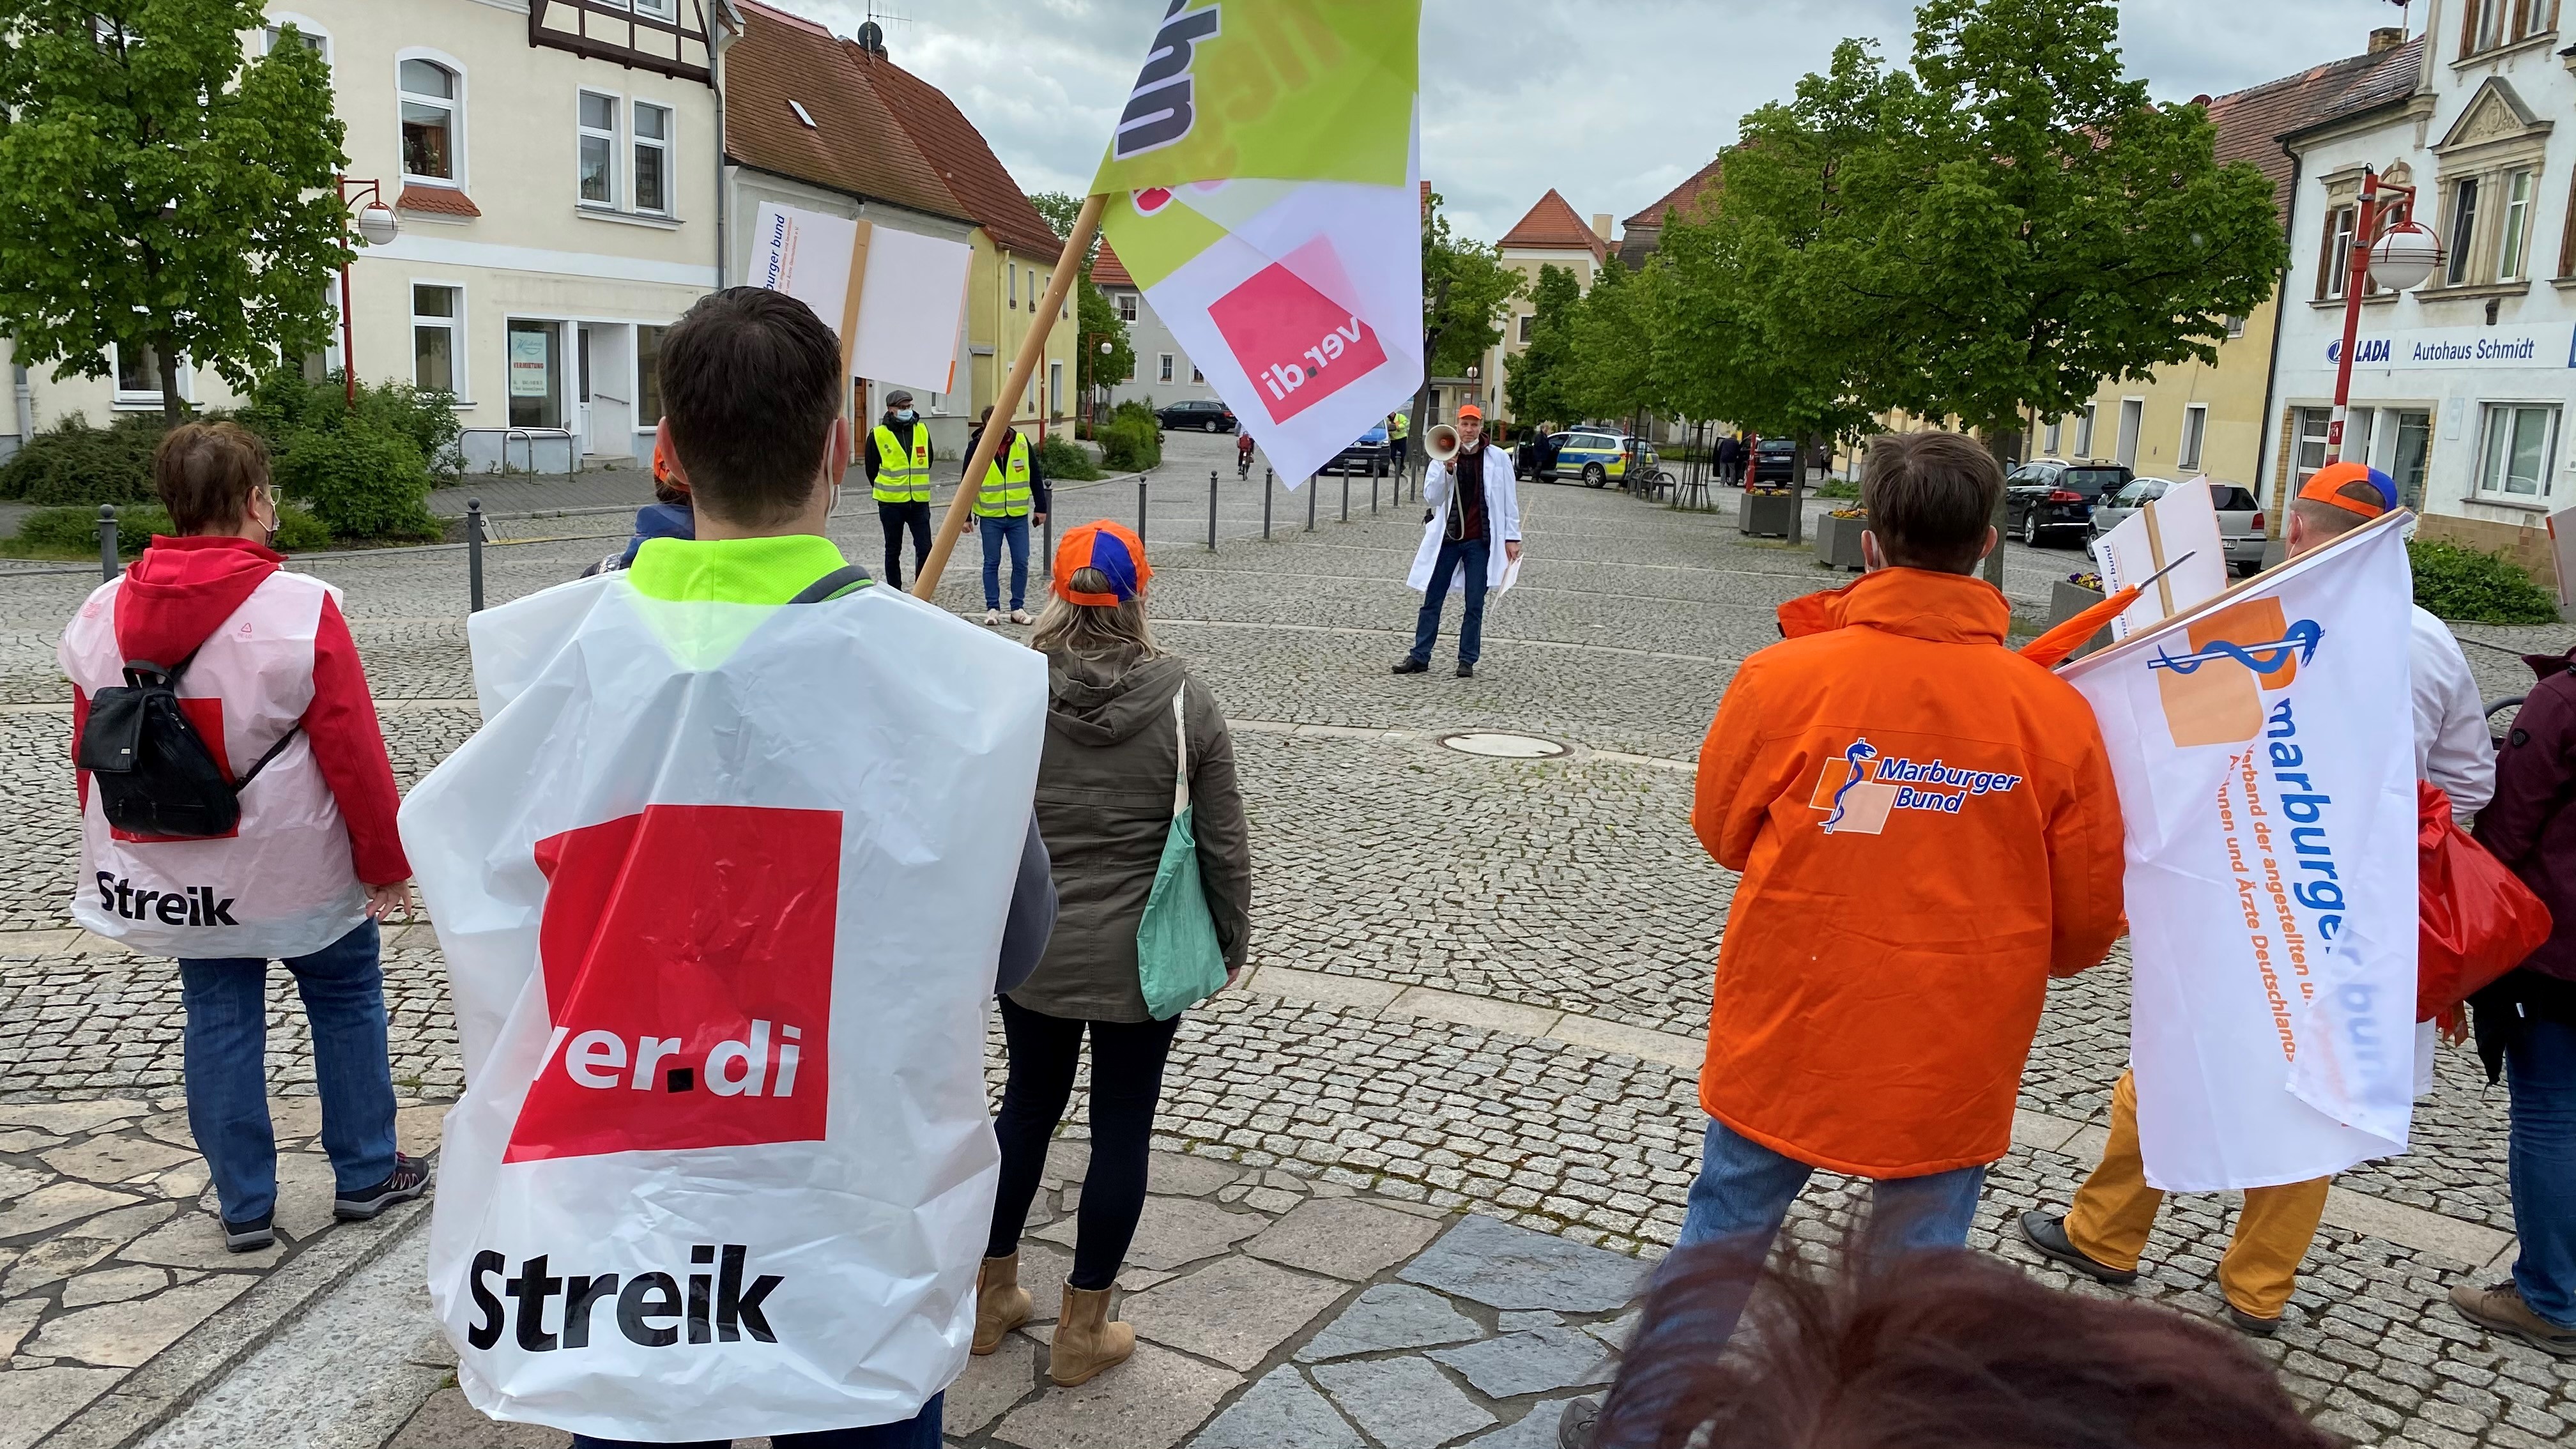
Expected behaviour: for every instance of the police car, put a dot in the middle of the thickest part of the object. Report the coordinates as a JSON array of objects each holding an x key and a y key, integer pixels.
[{"x": 1596, "y": 456}]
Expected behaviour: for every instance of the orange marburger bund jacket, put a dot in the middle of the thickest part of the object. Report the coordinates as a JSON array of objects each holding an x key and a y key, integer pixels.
[{"x": 1927, "y": 831}]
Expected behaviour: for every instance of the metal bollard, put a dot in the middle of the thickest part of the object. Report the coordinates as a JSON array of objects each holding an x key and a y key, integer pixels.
[
  {"x": 1372, "y": 492},
  {"x": 1140, "y": 508},
  {"x": 1346, "y": 495},
  {"x": 107, "y": 566},
  {"x": 1211, "y": 510},
  {"x": 1310, "y": 503},
  {"x": 474, "y": 555},
  {"x": 1046, "y": 548},
  {"x": 1265, "y": 503}
]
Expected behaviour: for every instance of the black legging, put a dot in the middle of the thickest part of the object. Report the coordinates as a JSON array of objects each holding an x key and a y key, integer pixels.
[
  {"x": 897, "y": 517},
  {"x": 1126, "y": 1080}
]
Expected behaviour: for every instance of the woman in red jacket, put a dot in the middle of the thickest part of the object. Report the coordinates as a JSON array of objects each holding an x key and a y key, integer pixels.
[{"x": 265, "y": 670}]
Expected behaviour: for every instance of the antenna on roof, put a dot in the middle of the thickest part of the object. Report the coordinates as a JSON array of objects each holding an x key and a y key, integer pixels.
[{"x": 872, "y": 34}]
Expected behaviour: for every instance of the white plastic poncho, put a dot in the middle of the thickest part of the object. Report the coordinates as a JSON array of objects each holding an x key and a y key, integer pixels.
[{"x": 722, "y": 890}]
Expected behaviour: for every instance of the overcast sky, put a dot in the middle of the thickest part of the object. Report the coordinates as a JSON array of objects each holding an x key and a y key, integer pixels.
[{"x": 1612, "y": 102}]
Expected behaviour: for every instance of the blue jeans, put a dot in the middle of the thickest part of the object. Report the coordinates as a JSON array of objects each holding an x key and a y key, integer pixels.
[
  {"x": 1744, "y": 1190},
  {"x": 995, "y": 531},
  {"x": 226, "y": 1045},
  {"x": 2540, "y": 1164},
  {"x": 918, "y": 1432},
  {"x": 1473, "y": 553}
]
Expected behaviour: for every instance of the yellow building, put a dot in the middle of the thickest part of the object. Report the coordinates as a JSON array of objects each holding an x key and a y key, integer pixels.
[{"x": 1552, "y": 235}]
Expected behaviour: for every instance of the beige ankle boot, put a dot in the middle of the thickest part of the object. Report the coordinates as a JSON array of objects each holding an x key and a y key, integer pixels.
[
  {"x": 1086, "y": 1341},
  {"x": 1001, "y": 1304}
]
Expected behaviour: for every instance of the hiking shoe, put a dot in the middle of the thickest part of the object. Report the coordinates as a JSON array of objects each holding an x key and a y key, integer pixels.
[
  {"x": 1466, "y": 670},
  {"x": 250, "y": 1234},
  {"x": 2247, "y": 1323},
  {"x": 992, "y": 618},
  {"x": 1574, "y": 1426},
  {"x": 2501, "y": 1309},
  {"x": 2048, "y": 1234},
  {"x": 1021, "y": 616},
  {"x": 409, "y": 1180},
  {"x": 1410, "y": 665}
]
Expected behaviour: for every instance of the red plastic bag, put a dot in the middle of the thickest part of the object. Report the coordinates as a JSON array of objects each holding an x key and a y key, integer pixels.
[{"x": 2478, "y": 920}]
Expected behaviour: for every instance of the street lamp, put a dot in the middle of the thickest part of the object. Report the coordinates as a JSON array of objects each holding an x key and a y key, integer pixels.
[
  {"x": 1106, "y": 348},
  {"x": 2400, "y": 261},
  {"x": 378, "y": 226}
]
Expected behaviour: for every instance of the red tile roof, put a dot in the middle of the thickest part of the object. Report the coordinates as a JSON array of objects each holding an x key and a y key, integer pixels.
[
  {"x": 854, "y": 145},
  {"x": 1107, "y": 271},
  {"x": 441, "y": 200},
  {"x": 1553, "y": 225},
  {"x": 974, "y": 175},
  {"x": 1682, "y": 198},
  {"x": 2251, "y": 122}
]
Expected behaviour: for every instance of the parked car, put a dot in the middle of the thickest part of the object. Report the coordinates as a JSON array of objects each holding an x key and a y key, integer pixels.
[
  {"x": 2051, "y": 498},
  {"x": 1198, "y": 414},
  {"x": 1595, "y": 455},
  {"x": 2240, "y": 517},
  {"x": 1775, "y": 460},
  {"x": 1368, "y": 454}
]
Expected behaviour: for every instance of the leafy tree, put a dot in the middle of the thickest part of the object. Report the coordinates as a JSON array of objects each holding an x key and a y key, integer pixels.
[
  {"x": 1614, "y": 332},
  {"x": 158, "y": 191},
  {"x": 1061, "y": 209},
  {"x": 1099, "y": 316},
  {"x": 1465, "y": 288},
  {"x": 1540, "y": 376}
]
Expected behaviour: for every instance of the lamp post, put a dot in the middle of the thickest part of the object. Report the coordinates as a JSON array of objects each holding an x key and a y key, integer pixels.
[
  {"x": 379, "y": 226},
  {"x": 1106, "y": 348},
  {"x": 2400, "y": 261}
]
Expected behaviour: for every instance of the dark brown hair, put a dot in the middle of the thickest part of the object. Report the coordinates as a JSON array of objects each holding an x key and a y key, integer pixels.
[
  {"x": 1945, "y": 1347},
  {"x": 205, "y": 472},
  {"x": 1931, "y": 497},
  {"x": 751, "y": 383}
]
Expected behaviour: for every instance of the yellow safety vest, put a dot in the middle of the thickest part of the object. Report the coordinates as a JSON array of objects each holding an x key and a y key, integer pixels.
[
  {"x": 1006, "y": 495},
  {"x": 900, "y": 480},
  {"x": 1403, "y": 425}
]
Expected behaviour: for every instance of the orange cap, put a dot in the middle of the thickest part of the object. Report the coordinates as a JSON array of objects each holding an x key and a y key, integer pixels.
[
  {"x": 2327, "y": 485},
  {"x": 1470, "y": 410}
]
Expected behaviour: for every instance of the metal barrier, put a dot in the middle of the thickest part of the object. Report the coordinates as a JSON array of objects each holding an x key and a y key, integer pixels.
[{"x": 529, "y": 436}]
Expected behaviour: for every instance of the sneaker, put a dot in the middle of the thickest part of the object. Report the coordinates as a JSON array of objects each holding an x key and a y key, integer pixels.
[
  {"x": 2501, "y": 1309},
  {"x": 2247, "y": 1323},
  {"x": 1466, "y": 670},
  {"x": 250, "y": 1234},
  {"x": 1574, "y": 1426},
  {"x": 1021, "y": 616},
  {"x": 1410, "y": 665},
  {"x": 2048, "y": 1234},
  {"x": 992, "y": 618},
  {"x": 410, "y": 1179}
]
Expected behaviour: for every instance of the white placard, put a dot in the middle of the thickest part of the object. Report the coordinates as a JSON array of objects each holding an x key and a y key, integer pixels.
[
  {"x": 2183, "y": 522},
  {"x": 912, "y": 300},
  {"x": 529, "y": 375}
]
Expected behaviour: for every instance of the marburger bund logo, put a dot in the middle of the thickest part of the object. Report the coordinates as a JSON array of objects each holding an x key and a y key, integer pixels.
[
  {"x": 647, "y": 1309},
  {"x": 1162, "y": 107},
  {"x": 2212, "y": 693}
]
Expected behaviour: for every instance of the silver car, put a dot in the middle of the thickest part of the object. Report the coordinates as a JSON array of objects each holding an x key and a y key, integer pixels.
[{"x": 2240, "y": 518}]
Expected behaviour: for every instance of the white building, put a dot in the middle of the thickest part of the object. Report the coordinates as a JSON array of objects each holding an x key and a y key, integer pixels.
[
  {"x": 2460, "y": 388},
  {"x": 1164, "y": 372},
  {"x": 553, "y": 164}
]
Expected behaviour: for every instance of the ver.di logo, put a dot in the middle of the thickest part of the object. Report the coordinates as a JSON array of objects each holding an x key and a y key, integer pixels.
[{"x": 2213, "y": 694}]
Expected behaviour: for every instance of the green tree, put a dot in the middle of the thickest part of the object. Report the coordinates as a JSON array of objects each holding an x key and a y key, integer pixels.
[
  {"x": 158, "y": 192},
  {"x": 1098, "y": 315},
  {"x": 1465, "y": 288},
  {"x": 1537, "y": 384},
  {"x": 1061, "y": 209},
  {"x": 1613, "y": 334}
]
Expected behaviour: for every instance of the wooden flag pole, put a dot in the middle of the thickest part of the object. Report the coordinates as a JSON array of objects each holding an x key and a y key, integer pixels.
[{"x": 1007, "y": 403}]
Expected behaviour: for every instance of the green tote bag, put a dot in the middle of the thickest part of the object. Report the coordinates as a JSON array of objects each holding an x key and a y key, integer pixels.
[{"x": 1178, "y": 960}]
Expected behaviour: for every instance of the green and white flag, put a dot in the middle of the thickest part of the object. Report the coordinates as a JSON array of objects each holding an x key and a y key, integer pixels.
[{"x": 1264, "y": 191}]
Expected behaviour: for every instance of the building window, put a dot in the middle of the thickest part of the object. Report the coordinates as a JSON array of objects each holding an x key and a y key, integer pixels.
[
  {"x": 2463, "y": 239},
  {"x": 1527, "y": 319},
  {"x": 2050, "y": 438},
  {"x": 435, "y": 316},
  {"x": 428, "y": 121},
  {"x": 1055, "y": 389},
  {"x": 2515, "y": 246},
  {"x": 2084, "y": 431},
  {"x": 1011, "y": 270},
  {"x": 648, "y": 376},
  {"x": 1195, "y": 374},
  {"x": 2308, "y": 444},
  {"x": 138, "y": 375},
  {"x": 1167, "y": 368},
  {"x": 536, "y": 360},
  {"x": 2520, "y": 439},
  {"x": 2235, "y": 328},
  {"x": 598, "y": 149},
  {"x": 1127, "y": 307},
  {"x": 2487, "y": 24},
  {"x": 2195, "y": 428},
  {"x": 2336, "y": 263},
  {"x": 313, "y": 40},
  {"x": 652, "y": 158}
]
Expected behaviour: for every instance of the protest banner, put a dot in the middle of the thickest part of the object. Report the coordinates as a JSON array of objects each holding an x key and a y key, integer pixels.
[
  {"x": 895, "y": 299},
  {"x": 2263, "y": 743},
  {"x": 2173, "y": 538}
]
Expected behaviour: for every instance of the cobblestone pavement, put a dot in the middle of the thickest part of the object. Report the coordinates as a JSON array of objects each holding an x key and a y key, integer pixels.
[{"x": 1478, "y": 990}]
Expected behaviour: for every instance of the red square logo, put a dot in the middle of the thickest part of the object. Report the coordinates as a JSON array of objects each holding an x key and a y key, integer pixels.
[
  {"x": 1296, "y": 344},
  {"x": 688, "y": 961}
]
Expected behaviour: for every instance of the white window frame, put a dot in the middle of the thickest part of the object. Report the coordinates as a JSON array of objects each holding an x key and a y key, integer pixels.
[
  {"x": 1527, "y": 321},
  {"x": 1166, "y": 372},
  {"x": 2051, "y": 436},
  {"x": 457, "y": 355},
  {"x": 2085, "y": 423},
  {"x": 667, "y": 144},
  {"x": 2195, "y": 438},
  {"x": 1197, "y": 378},
  {"x": 458, "y": 151},
  {"x": 2487, "y": 489},
  {"x": 279, "y": 19},
  {"x": 142, "y": 399},
  {"x": 2235, "y": 328},
  {"x": 2341, "y": 222},
  {"x": 615, "y": 136},
  {"x": 2460, "y": 232},
  {"x": 2513, "y": 238},
  {"x": 1127, "y": 307},
  {"x": 658, "y": 9}
]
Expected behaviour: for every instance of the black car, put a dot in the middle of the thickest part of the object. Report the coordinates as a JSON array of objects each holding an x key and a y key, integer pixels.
[
  {"x": 2051, "y": 498},
  {"x": 1775, "y": 460},
  {"x": 1198, "y": 414}
]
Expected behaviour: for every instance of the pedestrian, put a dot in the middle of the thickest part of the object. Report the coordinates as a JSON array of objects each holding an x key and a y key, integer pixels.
[
  {"x": 1464, "y": 522},
  {"x": 2526, "y": 1021},
  {"x": 1955, "y": 1349},
  {"x": 1122, "y": 717},
  {"x": 898, "y": 462},
  {"x": 1243, "y": 453},
  {"x": 1730, "y": 457},
  {"x": 262, "y": 664},
  {"x": 2104, "y": 1231},
  {"x": 1013, "y": 496},
  {"x": 667, "y": 516},
  {"x": 1399, "y": 426}
]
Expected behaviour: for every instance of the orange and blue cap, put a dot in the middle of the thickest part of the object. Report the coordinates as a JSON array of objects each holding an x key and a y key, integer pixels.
[
  {"x": 1118, "y": 554},
  {"x": 2327, "y": 484}
]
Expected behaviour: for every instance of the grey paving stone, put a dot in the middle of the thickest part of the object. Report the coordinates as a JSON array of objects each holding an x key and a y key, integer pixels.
[
  {"x": 447, "y": 1421},
  {"x": 1279, "y": 1411},
  {"x": 1390, "y": 1316},
  {"x": 1533, "y": 1318},
  {"x": 1151, "y": 1401},
  {"x": 991, "y": 1385},
  {"x": 123, "y": 1335},
  {"x": 1173, "y": 1231},
  {"x": 34, "y": 1400},
  {"x": 1535, "y": 1429},
  {"x": 1345, "y": 1237},
  {"x": 1539, "y": 1361},
  {"x": 1234, "y": 1311},
  {"x": 1403, "y": 1403},
  {"x": 1508, "y": 1267}
]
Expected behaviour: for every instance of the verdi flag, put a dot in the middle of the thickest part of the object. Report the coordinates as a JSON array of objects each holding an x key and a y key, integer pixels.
[
  {"x": 2263, "y": 742},
  {"x": 1263, "y": 189}
]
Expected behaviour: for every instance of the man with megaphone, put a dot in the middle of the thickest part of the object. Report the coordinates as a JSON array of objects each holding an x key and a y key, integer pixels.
[{"x": 1475, "y": 505}]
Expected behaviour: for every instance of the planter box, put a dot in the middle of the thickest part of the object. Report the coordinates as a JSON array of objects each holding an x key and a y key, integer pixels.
[
  {"x": 1766, "y": 515},
  {"x": 2065, "y": 601},
  {"x": 1838, "y": 542}
]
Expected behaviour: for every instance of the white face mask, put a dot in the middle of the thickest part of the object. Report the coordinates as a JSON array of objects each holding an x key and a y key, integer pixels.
[{"x": 907, "y": 415}]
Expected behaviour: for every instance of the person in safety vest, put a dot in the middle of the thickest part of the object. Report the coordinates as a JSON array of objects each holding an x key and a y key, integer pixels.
[
  {"x": 898, "y": 459},
  {"x": 1013, "y": 496},
  {"x": 263, "y": 666},
  {"x": 2103, "y": 1233},
  {"x": 1398, "y": 426}
]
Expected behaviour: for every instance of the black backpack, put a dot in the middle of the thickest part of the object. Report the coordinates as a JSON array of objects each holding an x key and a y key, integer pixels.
[{"x": 150, "y": 767}]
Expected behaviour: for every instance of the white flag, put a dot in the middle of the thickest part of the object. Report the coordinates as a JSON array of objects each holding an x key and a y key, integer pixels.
[{"x": 2264, "y": 747}]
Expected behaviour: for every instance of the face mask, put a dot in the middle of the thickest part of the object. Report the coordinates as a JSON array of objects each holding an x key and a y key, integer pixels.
[{"x": 907, "y": 415}]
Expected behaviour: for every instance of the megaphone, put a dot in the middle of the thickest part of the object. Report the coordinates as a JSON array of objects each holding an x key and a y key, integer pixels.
[{"x": 1442, "y": 441}]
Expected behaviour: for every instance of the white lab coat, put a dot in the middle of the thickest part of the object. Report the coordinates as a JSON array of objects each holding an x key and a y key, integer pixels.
[{"x": 1502, "y": 522}]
